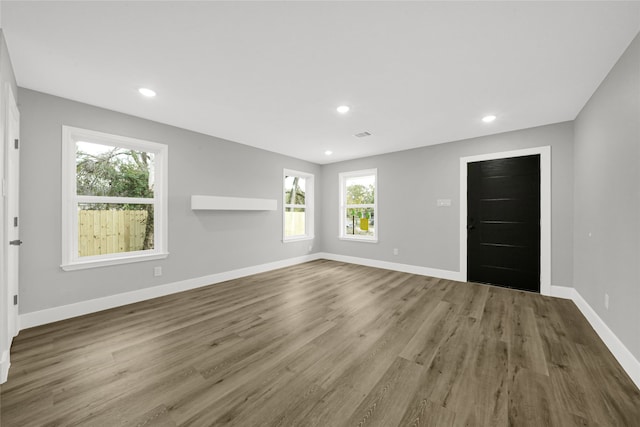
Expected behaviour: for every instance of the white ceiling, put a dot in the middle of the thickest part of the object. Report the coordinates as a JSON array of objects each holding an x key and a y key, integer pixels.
[{"x": 271, "y": 74}]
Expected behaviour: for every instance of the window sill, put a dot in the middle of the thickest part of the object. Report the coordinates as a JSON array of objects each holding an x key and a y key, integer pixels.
[
  {"x": 359, "y": 239},
  {"x": 297, "y": 239},
  {"x": 104, "y": 262}
]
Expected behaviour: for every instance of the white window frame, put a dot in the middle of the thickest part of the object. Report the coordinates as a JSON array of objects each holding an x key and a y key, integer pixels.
[
  {"x": 308, "y": 206},
  {"x": 343, "y": 176},
  {"x": 70, "y": 199}
]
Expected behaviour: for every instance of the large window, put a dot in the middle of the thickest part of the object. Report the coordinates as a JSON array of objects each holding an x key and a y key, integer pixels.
[
  {"x": 297, "y": 206},
  {"x": 113, "y": 199},
  {"x": 358, "y": 205}
]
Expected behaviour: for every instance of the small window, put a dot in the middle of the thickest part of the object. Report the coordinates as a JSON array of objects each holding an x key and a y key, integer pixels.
[
  {"x": 113, "y": 201},
  {"x": 297, "y": 206},
  {"x": 358, "y": 205}
]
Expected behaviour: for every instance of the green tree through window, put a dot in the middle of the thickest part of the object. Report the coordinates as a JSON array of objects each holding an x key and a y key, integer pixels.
[
  {"x": 297, "y": 206},
  {"x": 116, "y": 172},
  {"x": 358, "y": 205}
]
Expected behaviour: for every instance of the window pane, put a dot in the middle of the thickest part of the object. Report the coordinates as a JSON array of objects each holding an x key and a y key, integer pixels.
[
  {"x": 361, "y": 190},
  {"x": 104, "y": 170},
  {"x": 113, "y": 228},
  {"x": 294, "y": 222},
  {"x": 294, "y": 190},
  {"x": 360, "y": 222}
]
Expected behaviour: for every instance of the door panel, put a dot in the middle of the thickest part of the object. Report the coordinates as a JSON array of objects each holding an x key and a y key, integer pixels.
[
  {"x": 503, "y": 224},
  {"x": 507, "y": 210},
  {"x": 505, "y": 187},
  {"x": 505, "y": 233},
  {"x": 13, "y": 203}
]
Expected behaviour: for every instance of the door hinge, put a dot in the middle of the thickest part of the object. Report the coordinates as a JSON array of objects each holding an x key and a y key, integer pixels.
[
  {"x": 16, "y": 143},
  {"x": 15, "y": 242},
  {"x": 15, "y": 300},
  {"x": 15, "y": 221}
]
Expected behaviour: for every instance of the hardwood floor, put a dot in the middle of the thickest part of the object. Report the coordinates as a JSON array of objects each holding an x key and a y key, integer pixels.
[{"x": 327, "y": 344}]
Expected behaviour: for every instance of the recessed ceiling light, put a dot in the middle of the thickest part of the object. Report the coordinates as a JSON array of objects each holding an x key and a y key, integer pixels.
[
  {"x": 147, "y": 92},
  {"x": 343, "y": 109},
  {"x": 489, "y": 118},
  {"x": 328, "y": 153}
]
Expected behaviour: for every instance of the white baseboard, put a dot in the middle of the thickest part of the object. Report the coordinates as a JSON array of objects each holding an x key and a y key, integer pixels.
[
  {"x": 4, "y": 366},
  {"x": 50, "y": 315},
  {"x": 405, "y": 268},
  {"x": 629, "y": 363},
  {"x": 564, "y": 292},
  {"x": 626, "y": 359}
]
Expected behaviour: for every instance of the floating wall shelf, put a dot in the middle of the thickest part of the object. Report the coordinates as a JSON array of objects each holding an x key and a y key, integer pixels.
[{"x": 232, "y": 203}]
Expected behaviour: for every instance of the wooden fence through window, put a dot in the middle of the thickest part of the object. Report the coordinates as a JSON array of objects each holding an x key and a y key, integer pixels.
[{"x": 110, "y": 231}]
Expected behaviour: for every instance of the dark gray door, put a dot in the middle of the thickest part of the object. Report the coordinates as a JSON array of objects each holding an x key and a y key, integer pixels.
[{"x": 503, "y": 222}]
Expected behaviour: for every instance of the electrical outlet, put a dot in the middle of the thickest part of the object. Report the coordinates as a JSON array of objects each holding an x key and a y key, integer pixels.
[
  {"x": 157, "y": 271},
  {"x": 606, "y": 301},
  {"x": 395, "y": 251},
  {"x": 310, "y": 248}
]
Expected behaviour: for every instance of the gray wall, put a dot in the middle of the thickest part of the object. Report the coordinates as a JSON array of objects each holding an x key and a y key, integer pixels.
[
  {"x": 411, "y": 181},
  {"x": 200, "y": 243},
  {"x": 607, "y": 199},
  {"x": 595, "y": 189}
]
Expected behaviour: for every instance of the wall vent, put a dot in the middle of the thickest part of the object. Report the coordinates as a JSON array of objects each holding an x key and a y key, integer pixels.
[{"x": 362, "y": 134}]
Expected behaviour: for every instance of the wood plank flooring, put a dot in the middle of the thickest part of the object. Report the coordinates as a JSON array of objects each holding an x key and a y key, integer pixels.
[{"x": 322, "y": 344}]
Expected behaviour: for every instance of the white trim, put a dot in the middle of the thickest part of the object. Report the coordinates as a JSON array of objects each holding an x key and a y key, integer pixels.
[
  {"x": 5, "y": 364},
  {"x": 10, "y": 131},
  {"x": 545, "y": 209},
  {"x": 564, "y": 292},
  {"x": 297, "y": 239},
  {"x": 36, "y": 318},
  {"x": 342, "y": 206},
  {"x": 12, "y": 208},
  {"x": 362, "y": 239},
  {"x": 114, "y": 200},
  {"x": 309, "y": 206},
  {"x": 120, "y": 258},
  {"x": 629, "y": 363},
  {"x": 626, "y": 359},
  {"x": 70, "y": 259},
  {"x": 405, "y": 268}
]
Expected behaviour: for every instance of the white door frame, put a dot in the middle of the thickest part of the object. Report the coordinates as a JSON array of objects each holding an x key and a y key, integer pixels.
[
  {"x": 10, "y": 175},
  {"x": 545, "y": 208},
  {"x": 4, "y": 287},
  {"x": 12, "y": 132}
]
